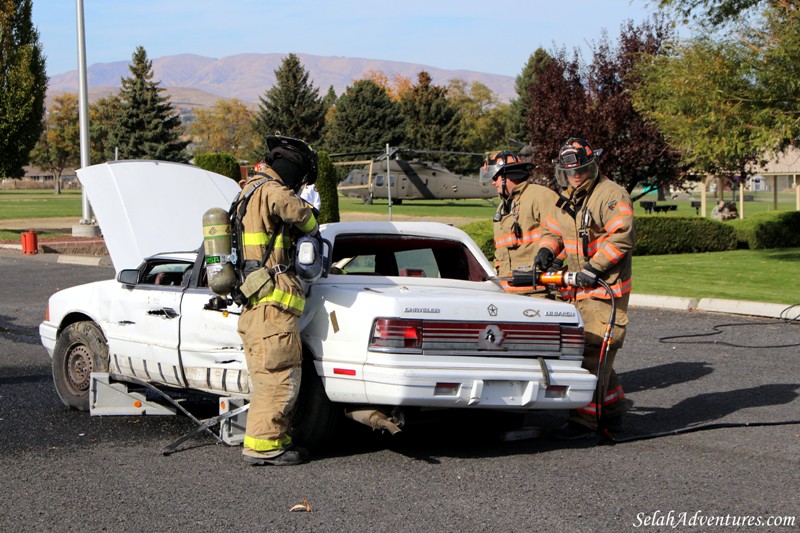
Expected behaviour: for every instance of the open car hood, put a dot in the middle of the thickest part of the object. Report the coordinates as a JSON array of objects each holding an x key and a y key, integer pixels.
[{"x": 148, "y": 207}]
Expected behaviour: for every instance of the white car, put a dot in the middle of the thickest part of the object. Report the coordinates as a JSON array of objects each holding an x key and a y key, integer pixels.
[{"x": 412, "y": 318}]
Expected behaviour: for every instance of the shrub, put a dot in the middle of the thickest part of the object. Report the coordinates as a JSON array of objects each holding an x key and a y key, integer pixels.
[
  {"x": 326, "y": 187},
  {"x": 655, "y": 235},
  {"x": 222, "y": 163},
  {"x": 482, "y": 233},
  {"x": 773, "y": 229},
  {"x": 658, "y": 235}
]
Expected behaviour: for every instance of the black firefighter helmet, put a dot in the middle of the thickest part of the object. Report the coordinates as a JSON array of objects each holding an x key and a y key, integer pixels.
[
  {"x": 507, "y": 165},
  {"x": 294, "y": 160},
  {"x": 576, "y": 156}
]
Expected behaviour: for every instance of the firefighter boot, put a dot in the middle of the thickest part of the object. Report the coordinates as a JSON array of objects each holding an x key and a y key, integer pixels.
[{"x": 288, "y": 457}]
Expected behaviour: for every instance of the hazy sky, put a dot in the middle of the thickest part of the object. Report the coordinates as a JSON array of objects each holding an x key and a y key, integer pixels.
[{"x": 480, "y": 35}]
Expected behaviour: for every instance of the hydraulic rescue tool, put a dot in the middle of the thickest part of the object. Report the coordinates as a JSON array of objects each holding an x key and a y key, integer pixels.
[{"x": 562, "y": 278}]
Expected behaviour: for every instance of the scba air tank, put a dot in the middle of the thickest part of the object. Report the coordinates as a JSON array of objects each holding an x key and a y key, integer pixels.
[{"x": 217, "y": 246}]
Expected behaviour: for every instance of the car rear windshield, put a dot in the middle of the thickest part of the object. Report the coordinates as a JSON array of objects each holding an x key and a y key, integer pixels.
[{"x": 404, "y": 255}]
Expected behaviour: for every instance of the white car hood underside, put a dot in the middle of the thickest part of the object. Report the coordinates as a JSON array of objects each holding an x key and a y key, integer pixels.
[{"x": 148, "y": 207}]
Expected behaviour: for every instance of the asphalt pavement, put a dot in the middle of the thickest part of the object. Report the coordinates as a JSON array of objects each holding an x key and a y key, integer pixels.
[{"x": 66, "y": 471}]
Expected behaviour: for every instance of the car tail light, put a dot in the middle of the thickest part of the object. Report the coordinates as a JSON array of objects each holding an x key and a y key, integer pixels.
[
  {"x": 572, "y": 340},
  {"x": 396, "y": 334}
]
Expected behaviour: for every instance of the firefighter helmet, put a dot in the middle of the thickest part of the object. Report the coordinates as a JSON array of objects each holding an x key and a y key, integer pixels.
[
  {"x": 504, "y": 164},
  {"x": 294, "y": 160},
  {"x": 576, "y": 157}
]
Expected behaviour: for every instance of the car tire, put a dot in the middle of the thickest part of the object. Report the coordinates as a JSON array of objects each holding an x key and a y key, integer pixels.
[
  {"x": 315, "y": 417},
  {"x": 80, "y": 350}
]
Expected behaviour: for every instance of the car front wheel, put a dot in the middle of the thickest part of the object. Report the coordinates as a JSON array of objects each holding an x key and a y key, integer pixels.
[{"x": 80, "y": 350}]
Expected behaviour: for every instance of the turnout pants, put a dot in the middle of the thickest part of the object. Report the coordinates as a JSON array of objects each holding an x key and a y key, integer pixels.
[
  {"x": 274, "y": 354},
  {"x": 596, "y": 313}
]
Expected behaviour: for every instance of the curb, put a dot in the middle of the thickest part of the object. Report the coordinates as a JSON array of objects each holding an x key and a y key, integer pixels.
[
  {"x": 664, "y": 302},
  {"x": 741, "y": 307},
  {"x": 85, "y": 260},
  {"x": 717, "y": 305}
]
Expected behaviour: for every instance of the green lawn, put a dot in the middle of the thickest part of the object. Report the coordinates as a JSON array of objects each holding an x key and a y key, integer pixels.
[
  {"x": 757, "y": 275},
  {"x": 14, "y": 235},
  {"x": 39, "y": 204},
  {"x": 763, "y": 201},
  {"x": 45, "y": 204}
]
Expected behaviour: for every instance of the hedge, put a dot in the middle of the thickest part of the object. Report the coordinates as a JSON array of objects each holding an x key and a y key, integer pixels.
[
  {"x": 220, "y": 162},
  {"x": 772, "y": 229},
  {"x": 659, "y": 235},
  {"x": 655, "y": 235},
  {"x": 483, "y": 235}
]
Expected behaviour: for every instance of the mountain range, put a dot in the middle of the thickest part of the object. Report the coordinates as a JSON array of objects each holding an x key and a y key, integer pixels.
[{"x": 193, "y": 80}]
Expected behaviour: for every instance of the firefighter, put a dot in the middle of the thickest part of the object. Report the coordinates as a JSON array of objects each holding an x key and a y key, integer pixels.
[
  {"x": 268, "y": 324},
  {"x": 593, "y": 223},
  {"x": 522, "y": 208}
]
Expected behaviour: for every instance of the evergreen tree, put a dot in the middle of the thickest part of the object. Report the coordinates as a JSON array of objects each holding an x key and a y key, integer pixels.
[
  {"x": 365, "y": 118},
  {"x": 329, "y": 103},
  {"x": 521, "y": 105},
  {"x": 292, "y": 106},
  {"x": 326, "y": 187},
  {"x": 23, "y": 84},
  {"x": 148, "y": 126},
  {"x": 431, "y": 121},
  {"x": 330, "y": 98}
]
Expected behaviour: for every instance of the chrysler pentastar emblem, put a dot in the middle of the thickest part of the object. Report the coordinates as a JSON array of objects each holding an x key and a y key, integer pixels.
[
  {"x": 492, "y": 310},
  {"x": 491, "y": 338}
]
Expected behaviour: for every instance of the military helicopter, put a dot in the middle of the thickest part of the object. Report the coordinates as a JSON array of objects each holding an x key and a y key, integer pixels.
[{"x": 409, "y": 179}]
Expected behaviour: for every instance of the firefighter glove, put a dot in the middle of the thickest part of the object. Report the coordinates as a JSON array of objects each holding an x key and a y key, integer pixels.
[
  {"x": 556, "y": 265},
  {"x": 544, "y": 258},
  {"x": 587, "y": 278}
]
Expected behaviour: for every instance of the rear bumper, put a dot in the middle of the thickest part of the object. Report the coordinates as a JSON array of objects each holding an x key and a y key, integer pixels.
[{"x": 523, "y": 386}]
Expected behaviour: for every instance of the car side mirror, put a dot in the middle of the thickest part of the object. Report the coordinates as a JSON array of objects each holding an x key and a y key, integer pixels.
[{"x": 128, "y": 277}]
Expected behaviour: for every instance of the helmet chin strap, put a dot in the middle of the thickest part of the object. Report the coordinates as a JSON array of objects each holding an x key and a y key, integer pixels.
[
  {"x": 577, "y": 196},
  {"x": 505, "y": 197},
  {"x": 505, "y": 202}
]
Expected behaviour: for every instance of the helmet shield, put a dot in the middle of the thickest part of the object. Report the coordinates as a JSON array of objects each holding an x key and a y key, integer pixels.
[
  {"x": 563, "y": 174},
  {"x": 505, "y": 164}
]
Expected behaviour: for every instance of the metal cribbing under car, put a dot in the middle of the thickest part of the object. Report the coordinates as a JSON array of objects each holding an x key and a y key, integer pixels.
[{"x": 102, "y": 390}]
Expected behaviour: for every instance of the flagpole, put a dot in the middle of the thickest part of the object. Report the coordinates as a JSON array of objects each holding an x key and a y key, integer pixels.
[{"x": 87, "y": 227}]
